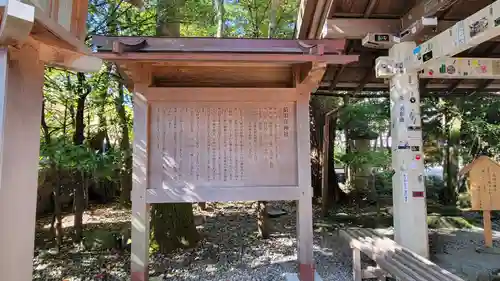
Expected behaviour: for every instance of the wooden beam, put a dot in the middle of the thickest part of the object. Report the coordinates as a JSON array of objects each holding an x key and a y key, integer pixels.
[
  {"x": 217, "y": 45},
  {"x": 357, "y": 28},
  {"x": 304, "y": 18},
  {"x": 482, "y": 86},
  {"x": 368, "y": 75},
  {"x": 79, "y": 18},
  {"x": 348, "y": 48},
  {"x": 453, "y": 86},
  {"x": 423, "y": 84},
  {"x": 427, "y": 8},
  {"x": 386, "y": 94},
  {"x": 17, "y": 22},
  {"x": 283, "y": 58},
  {"x": 312, "y": 17},
  {"x": 68, "y": 59},
  {"x": 314, "y": 75},
  {"x": 49, "y": 32},
  {"x": 380, "y": 86},
  {"x": 369, "y": 9}
]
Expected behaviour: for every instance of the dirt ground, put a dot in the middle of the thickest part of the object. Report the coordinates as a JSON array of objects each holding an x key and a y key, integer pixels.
[{"x": 231, "y": 250}]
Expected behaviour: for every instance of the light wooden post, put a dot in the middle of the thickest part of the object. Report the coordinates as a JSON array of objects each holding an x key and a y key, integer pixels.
[
  {"x": 357, "y": 272},
  {"x": 21, "y": 83},
  {"x": 488, "y": 235},
  {"x": 140, "y": 208},
  {"x": 304, "y": 213},
  {"x": 410, "y": 209}
]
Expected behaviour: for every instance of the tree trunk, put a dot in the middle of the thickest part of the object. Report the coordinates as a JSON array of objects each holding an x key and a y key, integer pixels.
[
  {"x": 452, "y": 128},
  {"x": 57, "y": 210},
  {"x": 126, "y": 172},
  {"x": 220, "y": 13},
  {"x": 172, "y": 223},
  {"x": 173, "y": 226},
  {"x": 56, "y": 191},
  {"x": 78, "y": 139},
  {"x": 333, "y": 182},
  {"x": 362, "y": 172},
  {"x": 263, "y": 223}
]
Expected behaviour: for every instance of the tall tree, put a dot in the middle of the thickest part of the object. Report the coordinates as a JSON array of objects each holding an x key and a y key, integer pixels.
[
  {"x": 172, "y": 223},
  {"x": 82, "y": 90}
]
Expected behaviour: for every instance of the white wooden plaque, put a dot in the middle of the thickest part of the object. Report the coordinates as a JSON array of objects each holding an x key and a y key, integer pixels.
[{"x": 223, "y": 144}]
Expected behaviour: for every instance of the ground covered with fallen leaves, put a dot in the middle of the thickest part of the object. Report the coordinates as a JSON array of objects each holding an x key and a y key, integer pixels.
[{"x": 230, "y": 248}]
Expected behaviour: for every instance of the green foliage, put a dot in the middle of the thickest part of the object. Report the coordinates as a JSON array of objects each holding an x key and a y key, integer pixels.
[
  {"x": 381, "y": 158},
  {"x": 365, "y": 119}
]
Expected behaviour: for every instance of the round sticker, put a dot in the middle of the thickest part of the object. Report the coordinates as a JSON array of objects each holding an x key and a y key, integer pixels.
[
  {"x": 450, "y": 69},
  {"x": 412, "y": 100}
]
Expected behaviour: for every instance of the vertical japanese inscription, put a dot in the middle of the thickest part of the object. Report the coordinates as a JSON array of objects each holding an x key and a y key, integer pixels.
[{"x": 229, "y": 144}]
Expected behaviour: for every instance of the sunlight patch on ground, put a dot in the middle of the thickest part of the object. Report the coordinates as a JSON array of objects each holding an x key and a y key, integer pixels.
[{"x": 108, "y": 214}]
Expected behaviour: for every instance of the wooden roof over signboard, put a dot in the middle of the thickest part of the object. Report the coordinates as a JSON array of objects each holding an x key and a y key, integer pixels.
[
  {"x": 362, "y": 16},
  {"x": 212, "y": 62}
]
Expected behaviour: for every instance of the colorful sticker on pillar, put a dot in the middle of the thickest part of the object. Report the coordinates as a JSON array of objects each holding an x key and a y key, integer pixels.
[
  {"x": 418, "y": 194},
  {"x": 427, "y": 56},
  {"x": 405, "y": 187},
  {"x": 450, "y": 69},
  {"x": 403, "y": 145},
  {"x": 417, "y": 50},
  {"x": 413, "y": 165},
  {"x": 495, "y": 67}
]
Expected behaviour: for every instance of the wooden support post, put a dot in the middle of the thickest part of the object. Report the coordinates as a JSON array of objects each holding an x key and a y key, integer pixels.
[
  {"x": 488, "y": 235},
  {"x": 357, "y": 272},
  {"x": 21, "y": 84},
  {"x": 140, "y": 208},
  {"x": 304, "y": 213}
]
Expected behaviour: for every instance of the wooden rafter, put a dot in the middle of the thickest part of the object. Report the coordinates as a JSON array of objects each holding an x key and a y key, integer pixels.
[
  {"x": 348, "y": 48},
  {"x": 482, "y": 86},
  {"x": 423, "y": 84},
  {"x": 312, "y": 17},
  {"x": 313, "y": 74},
  {"x": 427, "y": 8},
  {"x": 370, "y": 8},
  {"x": 366, "y": 78},
  {"x": 453, "y": 86}
]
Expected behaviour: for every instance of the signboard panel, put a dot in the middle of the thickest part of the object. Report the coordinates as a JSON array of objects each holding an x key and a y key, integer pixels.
[{"x": 223, "y": 144}]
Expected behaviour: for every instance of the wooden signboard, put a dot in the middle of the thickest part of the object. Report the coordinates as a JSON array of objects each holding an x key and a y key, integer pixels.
[
  {"x": 223, "y": 148},
  {"x": 484, "y": 183}
]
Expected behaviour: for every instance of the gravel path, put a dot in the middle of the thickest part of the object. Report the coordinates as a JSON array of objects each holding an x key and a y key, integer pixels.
[{"x": 230, "y": 250}]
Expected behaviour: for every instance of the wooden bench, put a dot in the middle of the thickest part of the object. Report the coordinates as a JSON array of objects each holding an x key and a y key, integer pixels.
[{"x": 392, "y": 260}]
